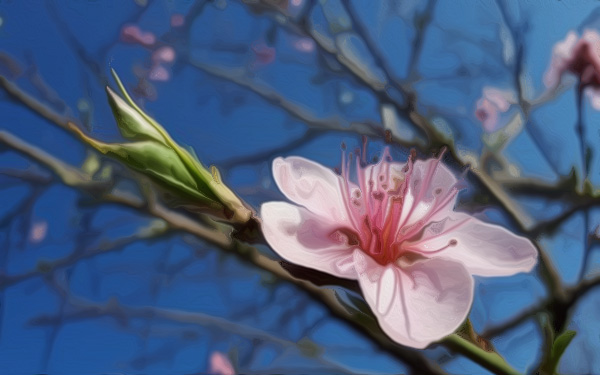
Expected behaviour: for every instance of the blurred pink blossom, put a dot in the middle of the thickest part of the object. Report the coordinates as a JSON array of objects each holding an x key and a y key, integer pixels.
[
  {"x": 396, "y": 232},
  {"x": 304, "y": 45},
  {"x": 580, "y": 56},
  {"x": 38, "y": 231},
  {"x": 492, "y": 103},
  {"x": 593, "y": 94},
  {"x": 264, "y": 54},
  {"x": 133, "y": 34},
  {"x": 159, "y": 73},
  {"x": 177, "y": 20},
  {"x": 164, "y": 54},
  {"x": 220, "y": 364}
]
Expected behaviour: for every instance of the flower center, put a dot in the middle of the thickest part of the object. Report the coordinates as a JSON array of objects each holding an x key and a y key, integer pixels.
[{"x": 376, "y": 207}]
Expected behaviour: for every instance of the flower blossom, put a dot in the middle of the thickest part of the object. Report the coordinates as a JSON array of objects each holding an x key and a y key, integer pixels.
[
  {"x": 220, "y": 364},
  {"x": 263, "y": 54},
  {"x": 491, "y": 105},
  {"x": 580, "y": 56},
  {"x": 396, "y": 233},
  {"x": 133, "y": 34}
]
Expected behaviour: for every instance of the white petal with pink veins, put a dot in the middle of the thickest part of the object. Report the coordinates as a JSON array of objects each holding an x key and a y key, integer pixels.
[
  {"x": 304, "y": 238},
  {"x": 485, "y": 249},
  {"x": 420, "y": 303},
  {"x": 311, "y": 185},
  {"x": 430, "y": 183}
]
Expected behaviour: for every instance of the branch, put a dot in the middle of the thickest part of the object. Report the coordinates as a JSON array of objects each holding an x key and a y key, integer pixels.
[
  {"x": 43, "y": 268},
  {"x": 335, "y": 123},
  {"x": 222, "y": 240},
  {"x": 84, "y": 309},
  {"x": 69, "y": 175},
  {"x": 571, "y": 297},
  {"x": 32, "y": 103},
  {"x": 73, "y": 177}
]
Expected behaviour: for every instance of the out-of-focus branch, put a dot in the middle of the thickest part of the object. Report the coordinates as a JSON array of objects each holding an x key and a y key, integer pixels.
[
  {"x": 73, "y": 177},
  {"x": 371, "y": 45},
  {"x": 308, "y": 136},
  {"x": 239, "y": 77},
  {"x": 43, "y": 268},
  {"x": 421, "y": 22},
  {"x": 407, "y": 111},
  {"x": 219, "y": 238},
  {"x": 570, "y": 297},
  {"x": 32, "y": 103},
  {"x": 80, "y": 309},
  {"x": 399, "y": 98},
  {"x": 179, "y": 221},
  {"x": 69, "y": 175},
  {"x": 335, "y": 123}
]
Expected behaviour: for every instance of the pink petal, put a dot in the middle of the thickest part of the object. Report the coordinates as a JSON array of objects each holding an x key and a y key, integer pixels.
[
  {"x": 133, "y": 34},
  {"x": 220, "y": 364},
  {"x": 159, "y": 73},
  {"x": 594, "y": 95},
  {"x": 485, "y": 249},
  {"x": 592, "y": 53},
  {"x": 164, "y": 54},
  {"x": 561, "y": 54},
  {"x": 38, "y": 231},
  {"x": 177, "y": 20},
  {"x": 304, "y": 238},
  {"x": 311, "y": 185},
  {"x": 502, "y": 99},
  {"x": 416, "y": 304},
  {"x": 487, "y": 113},
  {"x": 305, "y": 45}
]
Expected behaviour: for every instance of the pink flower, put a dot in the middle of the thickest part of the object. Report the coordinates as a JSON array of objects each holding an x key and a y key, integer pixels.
[
  {"x": 395, "y": 232},
  {"x": 220, "y": 365},
  {"x": 38, "y": 231},
  {"x": 159, "y": 73},
  {"x": 264, "y": 55},
  {"x": 491, "y": 105},
  {"x": 304, "y": 45},
  {"x": 177, "y": 20},
  {"x": 133, "y": 34},
  {"x": 580, "y": 56},
  {"x": 164, "y": 54}
]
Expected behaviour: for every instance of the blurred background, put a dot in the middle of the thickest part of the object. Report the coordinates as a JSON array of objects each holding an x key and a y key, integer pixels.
[{"x": 89, "y": 286}]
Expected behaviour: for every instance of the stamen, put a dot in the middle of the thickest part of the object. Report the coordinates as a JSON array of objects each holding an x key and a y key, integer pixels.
[
  {"x": 425, "y": 182},
  {"x": 364, "y": 152},
  {"x": 376, "y": 203},
  {"x": 451, "y": 243},
  {"x": 360, "y": 175},
  {"x": 437, "y": 206},
  {"x": 373, "y": 248},
  {"x": 343, "y": 160},
  {"x": 345, "y": 188},
  {"x": 442, "y": 152}
]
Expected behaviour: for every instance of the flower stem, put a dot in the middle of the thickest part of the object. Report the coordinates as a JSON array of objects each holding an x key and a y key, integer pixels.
[
  {"x": 489, "y": 360},
  {"x": 580, "y": 128}
]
